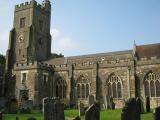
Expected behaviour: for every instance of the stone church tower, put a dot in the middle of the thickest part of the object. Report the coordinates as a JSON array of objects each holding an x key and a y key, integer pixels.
[{"x": 30, "y": 42}]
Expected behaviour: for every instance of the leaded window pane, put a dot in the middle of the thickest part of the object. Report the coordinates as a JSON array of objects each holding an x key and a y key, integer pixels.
[
  {"x": 119, "y": 90},
  {"x": 157, "y": 88},
  {"x": 152, "y": 88},
  {"x": 114, "y": 90},
  {"x": 146, "y": 88}
]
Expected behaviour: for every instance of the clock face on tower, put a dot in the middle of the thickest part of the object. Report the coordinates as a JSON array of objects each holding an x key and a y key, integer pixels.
[{"x": 21, "y": 38}]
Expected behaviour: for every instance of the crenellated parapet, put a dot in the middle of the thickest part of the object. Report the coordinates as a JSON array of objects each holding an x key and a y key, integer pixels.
[
  {"x": 45, "y": 6},
  {"x": 33, "y": 65}
]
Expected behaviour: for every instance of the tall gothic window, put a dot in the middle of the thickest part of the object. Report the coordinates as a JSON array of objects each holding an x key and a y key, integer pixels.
[
  {"x": 114, "y": 86},
  {"x": 61, "y": 88},
  {"x": 152, "y": 85},
  {"x": 82, "y": 87}
]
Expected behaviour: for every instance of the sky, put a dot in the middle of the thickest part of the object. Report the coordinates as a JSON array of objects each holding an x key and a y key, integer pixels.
[{"x": 81, "y": 27}]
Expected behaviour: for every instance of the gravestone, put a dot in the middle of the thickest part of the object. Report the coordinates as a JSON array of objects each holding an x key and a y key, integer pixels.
[
  {"x": 2, "y": 102},
  {"x": 17, "y": 118},
  {"x": 156, "y": 113},
  {"x": 112, "y": 104},
  {"x": 13, "y": 106},
  {"x": 91, "y": 100},
  {"x": 140, "y": 105},
  {"x": 93, "y": 112},
  {"x": 130, "y": 111},
  {"x": 27, "y": 106},
  {"x": 53, "y": 109},
  {"x": 81, "y": 109},
  {"x": 148, "y": 104},
  {"x": 1, "y": 115}
]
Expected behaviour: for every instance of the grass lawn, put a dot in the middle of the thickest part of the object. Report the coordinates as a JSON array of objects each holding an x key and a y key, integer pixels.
[{"x": 105, "y": 115}]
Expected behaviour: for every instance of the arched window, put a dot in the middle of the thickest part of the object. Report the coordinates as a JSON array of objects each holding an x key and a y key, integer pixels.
[
  {"x": 61, "y": 88},
  {"x": 82, "y": 87},
  {"x": 152, "y": 85},
  {"x": 114, "y": 86}
]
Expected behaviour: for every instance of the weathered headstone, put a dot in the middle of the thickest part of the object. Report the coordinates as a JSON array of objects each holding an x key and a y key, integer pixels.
[
  {"x": 0, "y": 115},
  {"x": 140, "y": 105},
  {"x": 2, "y": 102},
  {"x": 91, "y": 100},
  {"x": 81, "y": 109},
  {"x": 112, "y": 104},
  {"x": 27, "y": 106},
  {"x": 156, "y": 113},
  {"x": 53, "y": 109},
  {"x": 93, "y": 112},
  {"x": 13, "y": 106},
  {"x": 17, "y": 118},
  {"x": 148, "y": 104},
  {"x": 130, "y": 110}
]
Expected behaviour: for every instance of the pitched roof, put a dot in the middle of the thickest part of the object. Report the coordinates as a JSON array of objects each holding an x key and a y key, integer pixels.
[{"x": 147, "y": 51}]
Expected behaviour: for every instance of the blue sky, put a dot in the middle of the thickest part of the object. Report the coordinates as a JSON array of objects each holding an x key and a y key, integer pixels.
[{"x": 93, "y": 26}]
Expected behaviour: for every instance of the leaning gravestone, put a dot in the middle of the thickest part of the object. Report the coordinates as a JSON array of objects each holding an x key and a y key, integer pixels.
[
  {"x": 130, "y": 111},
  {"x": 13, "y": 106},
  {"x": 147, "y": 104},
  {"x": 156, "y": 113},
  {"x": 53, "y": 109},
  {"x": 91, "y": 99},
  {"x": 93, "y": 112},
  {"x": 0, "y": 115},
  {"x": 140, "y": 105}
]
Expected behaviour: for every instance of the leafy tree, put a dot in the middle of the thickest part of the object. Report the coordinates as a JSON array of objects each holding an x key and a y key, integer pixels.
[
  {"x": 2, "y": 60},
  {"x": 55, "y": 55}
]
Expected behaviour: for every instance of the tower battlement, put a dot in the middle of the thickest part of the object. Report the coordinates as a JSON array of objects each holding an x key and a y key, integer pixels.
[
  {"x": 32, "y": 65},
  {"x": 45, "y": 6}
]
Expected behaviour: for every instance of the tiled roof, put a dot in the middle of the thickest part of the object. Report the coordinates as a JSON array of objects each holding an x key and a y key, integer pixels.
[{"x": 148, "y": 51}]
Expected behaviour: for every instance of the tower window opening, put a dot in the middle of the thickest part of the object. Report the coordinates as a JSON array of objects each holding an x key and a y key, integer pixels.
[{"x": 22, "y": 22}]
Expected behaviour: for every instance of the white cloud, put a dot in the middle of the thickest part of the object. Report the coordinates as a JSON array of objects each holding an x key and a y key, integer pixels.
[
  {"x": 62, "y": 43},
  {"x": 67, "y": 44},
  {"x": 55, "y": 33}
]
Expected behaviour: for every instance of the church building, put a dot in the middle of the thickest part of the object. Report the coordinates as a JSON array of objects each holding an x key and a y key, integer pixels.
[{"x": 33, "y": 74}]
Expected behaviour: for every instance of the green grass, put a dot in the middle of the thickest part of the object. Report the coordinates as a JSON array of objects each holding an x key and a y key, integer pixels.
[{"x": 105, "y": 115}]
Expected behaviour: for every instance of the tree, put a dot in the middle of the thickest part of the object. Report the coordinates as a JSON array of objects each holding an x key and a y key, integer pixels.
[
  {"x": 55, "y": 55},
  {"x": 2, "y": 60}
]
